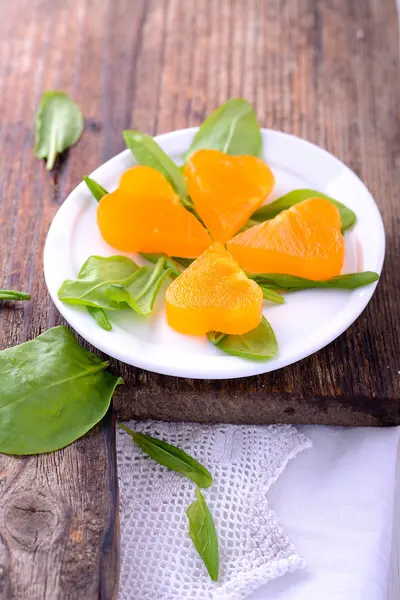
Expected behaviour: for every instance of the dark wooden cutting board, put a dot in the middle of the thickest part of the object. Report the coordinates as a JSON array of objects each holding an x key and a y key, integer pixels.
[{"x": 325, "y": 70}]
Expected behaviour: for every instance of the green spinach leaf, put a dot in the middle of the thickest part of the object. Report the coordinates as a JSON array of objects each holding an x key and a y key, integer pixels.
[
  {"x": 203, "y": 534},
  {"x": 100, "y": 317},
  {"x": 172, "y": 457},
  {"x": 270, "y": 211},
  {"x": 258, "y": 344},
  {"x": 291, "y": 283},
  {"x": 169, "y": 263},
  {"x": 95, "y": 276},
  {"x": 59, "y": 125},
  {"x": 232, "y": 128},
  {"x": 52, "y": 392},
  {"x": 147, "y": 152},
  {"x": 141, "y": 292},
  {"x": 216, "y": 337},
  {"x": 14, "y": 295},
  {"x": 271, "y": 295},
  {"x": 97, "y": 190},
  {"x": 185, "y": 262}
]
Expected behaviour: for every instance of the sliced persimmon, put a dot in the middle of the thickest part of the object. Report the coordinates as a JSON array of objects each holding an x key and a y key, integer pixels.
[
  {"x": 226, "y": 190},
  {"x": 144, "y": 214},
  {"x": 214, "y": 294},
  {"x": 305, "y": 240}
]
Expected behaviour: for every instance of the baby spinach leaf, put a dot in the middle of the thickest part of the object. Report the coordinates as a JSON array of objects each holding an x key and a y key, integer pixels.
[
  {"x": 291, "y": 283},
  {"x": 14, "y": 295},
  {"x": 258, "y": 344},
  {"x": 270, "y": 211},
  {"x": 59, "y": 125},
  {"x": 172, "y": 457},
  {"x": 232, "y": 128},
  {"x": 97, "y": 190},
  {"x": 169, "y": 263},
  {"x": 95, "y": 276},
  {"x": 142, "y": 290},
  {"x": 185, "y": 262},
  {"x": 100, "y": 317},
  {"x": 271, "y": 295},
  {"x": 215, "y": 337},
  {"x": 147, "y": 152},
  {"x": 203, "y": 534},
  {"x": 52, "y": 392}
]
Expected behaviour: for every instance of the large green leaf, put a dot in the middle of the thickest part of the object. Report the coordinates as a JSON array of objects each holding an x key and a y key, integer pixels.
[
  {"x": 142, "y": 290},
  {"x": 269, "y": 211},
  {"x": 171, "y": 457},
  {"x": 232, "y": 128},
  {"x": 203, "y": 534},
  {"x": 52, "y": 392},
  {"x": 291, "y": 283},
  {"x": 95, "y": 276},
  {"x": 59, "y": 125}
]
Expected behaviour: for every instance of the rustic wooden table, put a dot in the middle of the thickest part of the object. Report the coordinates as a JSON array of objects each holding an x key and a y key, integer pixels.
[{"x": 326, "y": 70}]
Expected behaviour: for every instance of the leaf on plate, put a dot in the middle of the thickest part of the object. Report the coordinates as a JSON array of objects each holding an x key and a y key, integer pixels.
[
  {"x": 14, "y": 295},
  {"x": 147, "y": 152},
  {"x": 272, "y": 295},
  {"x": 291, "y": 283},
  {"x": 142, "y": 290},
  {"x": 95, "y": 276},
  {"x": 258, "y": 344},
  {"x": 169, "y": 262},
  {"x": 185, "y": 262},
  {"x": 52, "y": 391},
  {"x": 216, "y": 337},
  {"x": 100, "y": 317},
  {"x": 97, "y": 190},
  {"x": 59, "y": 125},
  {"x": 269, "y": 211},
  {"x": 171, "y": 457},
  {"x": 203, "y": 534},
  {"x": 232, "y": 128}
]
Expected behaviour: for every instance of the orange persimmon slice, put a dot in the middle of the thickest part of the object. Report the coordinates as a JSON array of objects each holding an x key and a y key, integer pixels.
[
  {"x": 214, "y": 294},
  {"x": 144, "y": 214},
  {"x": 305, "y": 240},
  {"x": 226, "y": 190}
]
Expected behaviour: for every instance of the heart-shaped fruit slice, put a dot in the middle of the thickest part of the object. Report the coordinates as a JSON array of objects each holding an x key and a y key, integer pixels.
[
  {"x": 214, "y": 294},
  {"x": 304, "y": 240},
  {"x": 144, "y": 214},
  {"x": 226, "y": 190}
]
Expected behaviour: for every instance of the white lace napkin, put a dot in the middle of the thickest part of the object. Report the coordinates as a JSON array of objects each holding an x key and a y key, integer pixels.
[{"x": 158, "y": 559}]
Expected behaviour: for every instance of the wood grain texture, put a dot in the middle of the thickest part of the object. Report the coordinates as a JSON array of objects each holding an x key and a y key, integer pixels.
[{"x": 325, "y": 70}]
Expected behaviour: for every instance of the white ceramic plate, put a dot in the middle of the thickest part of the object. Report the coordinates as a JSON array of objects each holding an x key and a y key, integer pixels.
[{"x": 305, "y": 323}]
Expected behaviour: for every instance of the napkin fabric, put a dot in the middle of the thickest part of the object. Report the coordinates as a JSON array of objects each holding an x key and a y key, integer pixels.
[{"x": 158, "y": 559}]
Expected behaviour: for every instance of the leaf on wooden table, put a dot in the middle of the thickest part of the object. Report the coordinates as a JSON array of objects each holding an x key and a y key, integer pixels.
[
  {"x": 52, "y": 391},
  {"x": 59, "y": 125}
]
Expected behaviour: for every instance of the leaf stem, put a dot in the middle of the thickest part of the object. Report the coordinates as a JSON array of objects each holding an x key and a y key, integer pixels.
[{"x": 14, "y": 295}]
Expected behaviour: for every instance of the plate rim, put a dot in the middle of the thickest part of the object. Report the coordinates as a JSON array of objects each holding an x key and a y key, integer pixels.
[{"x": 253, "y": 368}]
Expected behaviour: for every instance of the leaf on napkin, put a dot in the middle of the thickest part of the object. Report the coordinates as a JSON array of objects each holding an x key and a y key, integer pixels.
[
  {"x": 171, "y": 457},
  {"x": 203, "y": 534}
]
